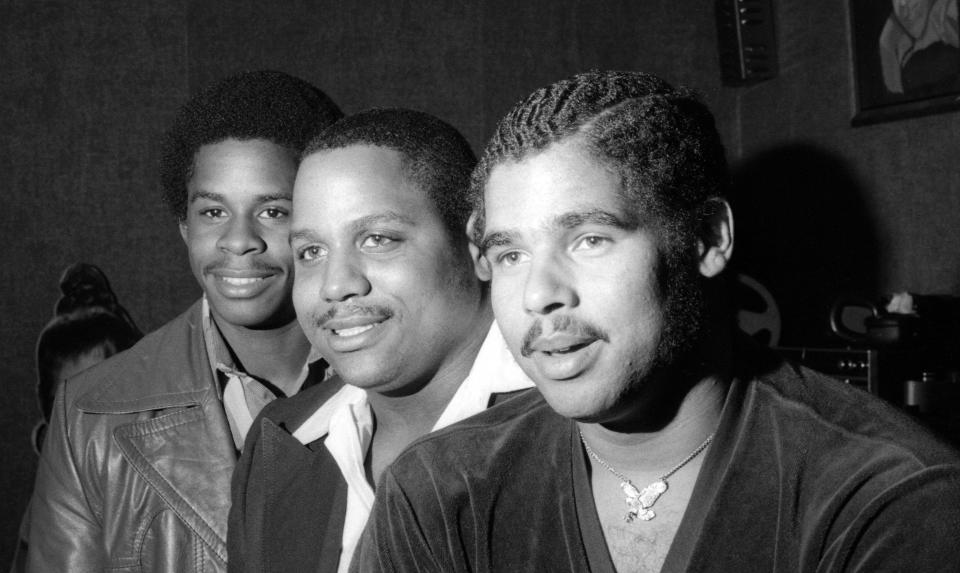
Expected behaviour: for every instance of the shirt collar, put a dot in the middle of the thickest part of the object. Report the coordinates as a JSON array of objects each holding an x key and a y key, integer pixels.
[
  {"x": 494, "y": 371},
  {"x": 221, "y": 358}
]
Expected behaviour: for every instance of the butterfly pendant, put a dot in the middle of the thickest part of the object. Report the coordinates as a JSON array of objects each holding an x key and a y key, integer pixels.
[{"x": 639, "y": 501}]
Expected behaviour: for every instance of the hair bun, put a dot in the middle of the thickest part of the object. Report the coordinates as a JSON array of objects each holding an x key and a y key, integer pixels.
[{"x": 83, "y": 286}]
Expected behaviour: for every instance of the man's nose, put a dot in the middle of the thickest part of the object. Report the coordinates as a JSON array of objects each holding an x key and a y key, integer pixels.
[
  {"x": 548, "y": 287},
  {"x": 344, "y": 278},
  {"x": 242, "y": 236}
]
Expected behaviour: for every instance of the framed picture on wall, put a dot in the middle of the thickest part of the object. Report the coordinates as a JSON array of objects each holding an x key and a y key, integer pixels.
[{"x": 906, "y": 58}]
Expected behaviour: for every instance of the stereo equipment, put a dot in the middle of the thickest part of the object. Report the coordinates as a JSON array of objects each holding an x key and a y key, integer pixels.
[
  {"x": 859, "y": 368},
  {"x": 882, "y": 372}
]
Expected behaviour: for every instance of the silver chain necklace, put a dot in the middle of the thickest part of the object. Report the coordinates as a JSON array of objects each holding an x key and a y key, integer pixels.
[{"x": 639, "y": 501}]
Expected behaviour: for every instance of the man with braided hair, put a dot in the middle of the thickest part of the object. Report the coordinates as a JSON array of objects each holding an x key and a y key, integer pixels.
[
  {"x": 135, "y": 472},
  {"x": 657, "y": 439}
]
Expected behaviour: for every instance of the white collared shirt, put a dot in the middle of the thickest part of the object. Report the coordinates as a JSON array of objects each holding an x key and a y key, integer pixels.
[
  {"x": 347, "y": 421},
  {"x": 242, "y": 395}
]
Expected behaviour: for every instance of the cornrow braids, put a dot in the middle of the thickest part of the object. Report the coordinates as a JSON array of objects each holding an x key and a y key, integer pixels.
[
  {"x": 264, "y": 104},
  {"x": 661, "y": 140},
  {"x": 435, "y": 156}
]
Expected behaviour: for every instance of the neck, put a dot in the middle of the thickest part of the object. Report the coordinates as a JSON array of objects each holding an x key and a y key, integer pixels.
[
  {"x": 276, "y": 355},
  {"x": 402, "y": 419},
  {"x": 419, "y": 412},
  {"x": 692, "y": 419}
]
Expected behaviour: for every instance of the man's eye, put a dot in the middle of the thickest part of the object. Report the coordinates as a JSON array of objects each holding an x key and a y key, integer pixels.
[
  {"x": 213, "y": 213},
  {"x": 273, "y": 213},
  {"x": 590, "y": 242},
  {"x": 377, "y": 241},
  {"x": 310, "y": 253},
  {"x": 511, "y": 258}
]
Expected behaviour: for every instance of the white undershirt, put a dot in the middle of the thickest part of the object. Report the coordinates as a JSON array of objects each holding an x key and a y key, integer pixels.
[{"x": 347, "y": 422}]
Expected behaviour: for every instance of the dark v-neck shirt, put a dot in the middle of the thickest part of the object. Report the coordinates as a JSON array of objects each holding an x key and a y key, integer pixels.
[{"x": 804, "y": 474}]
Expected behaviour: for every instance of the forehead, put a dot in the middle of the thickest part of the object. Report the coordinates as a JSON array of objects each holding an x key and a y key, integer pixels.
[
  {"x": 232, "y": 167},
  {"x": 563, "y": 178},
  {"x": 336, "y": 187}
]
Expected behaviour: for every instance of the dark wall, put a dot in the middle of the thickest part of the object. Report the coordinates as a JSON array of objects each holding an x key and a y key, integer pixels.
[
  {"x": 826, "y": 208},
  {"x": 87, "y": 87}
]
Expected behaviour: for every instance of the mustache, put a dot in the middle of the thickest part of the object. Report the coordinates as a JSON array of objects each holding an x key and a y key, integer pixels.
[
  {"x": 349, "y": 310},
  {"x": 565, "y": 324}
]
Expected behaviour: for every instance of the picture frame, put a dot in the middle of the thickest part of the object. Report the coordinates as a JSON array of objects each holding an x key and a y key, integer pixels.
[{"x": 906, "y": 58}]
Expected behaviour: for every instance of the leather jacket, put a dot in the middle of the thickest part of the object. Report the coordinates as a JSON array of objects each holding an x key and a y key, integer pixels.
[{"x": 136, "y": 466}]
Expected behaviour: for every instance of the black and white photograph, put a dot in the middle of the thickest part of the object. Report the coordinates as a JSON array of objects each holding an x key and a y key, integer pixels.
[{"x": 368, "y": 286}]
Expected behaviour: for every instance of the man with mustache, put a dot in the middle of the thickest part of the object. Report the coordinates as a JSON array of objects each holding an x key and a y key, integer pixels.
[
  {"x": 658, "y": 440},
  {"x": 385, "y": 289},
  {"x": 135, "y": 472}
]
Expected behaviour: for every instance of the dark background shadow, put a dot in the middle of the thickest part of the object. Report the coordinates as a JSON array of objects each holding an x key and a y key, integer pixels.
[{"x": 804, "y": 231}]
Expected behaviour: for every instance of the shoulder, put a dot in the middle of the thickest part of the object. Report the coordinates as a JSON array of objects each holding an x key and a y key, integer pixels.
[
  {"x": 164, "y": 363},
  {"x": 828, "y": 432},
  {"x": 481, "y": 445},
  {"x": 850, "y": 417}
]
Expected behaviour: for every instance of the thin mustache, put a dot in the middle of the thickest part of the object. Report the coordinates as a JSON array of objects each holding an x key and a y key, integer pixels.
[
  {"x": 351, "y": 310},
  {"x": 565, "y": 324}
]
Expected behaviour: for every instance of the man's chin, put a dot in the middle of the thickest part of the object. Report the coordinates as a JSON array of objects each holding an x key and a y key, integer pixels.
[
  {"x": 251, "y": 314},
  {"x": 574, "y": 399}
]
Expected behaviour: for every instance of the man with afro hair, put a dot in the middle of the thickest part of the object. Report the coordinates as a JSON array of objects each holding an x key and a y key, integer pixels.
[
  {"x": 657, "y": 438},
  {"x": 135, "y": 473}
]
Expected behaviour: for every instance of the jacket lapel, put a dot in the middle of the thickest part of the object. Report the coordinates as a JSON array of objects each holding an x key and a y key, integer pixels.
[
  {"x": 187, "y": 457},
  {"x": 179, "y": 440},
  {"x": 304, "y": 496}
]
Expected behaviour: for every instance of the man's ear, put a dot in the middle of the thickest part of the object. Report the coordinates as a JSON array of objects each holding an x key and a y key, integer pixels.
[
  {"x": 715, "y": 246},
  {"x": 183, "y": 231},
  {"x": 481, "y": 265}
]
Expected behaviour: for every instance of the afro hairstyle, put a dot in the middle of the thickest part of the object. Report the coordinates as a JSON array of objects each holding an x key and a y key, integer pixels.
[{"x": 265, "y": 104}]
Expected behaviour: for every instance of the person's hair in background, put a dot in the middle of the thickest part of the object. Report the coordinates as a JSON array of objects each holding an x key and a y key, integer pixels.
[
  {"x": 269, "y": 105},
  {"x": 88, "y": 325}
]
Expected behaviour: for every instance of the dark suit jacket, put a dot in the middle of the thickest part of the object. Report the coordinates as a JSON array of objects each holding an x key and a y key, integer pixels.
[
  {"x": 290, "y": 499},
  {"x": 287, "y": 497}
]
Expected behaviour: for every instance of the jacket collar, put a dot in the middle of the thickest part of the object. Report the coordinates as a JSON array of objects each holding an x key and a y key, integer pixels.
[
  {"x": 169, "y": 368},
  {"x": 188, "y": 455}
]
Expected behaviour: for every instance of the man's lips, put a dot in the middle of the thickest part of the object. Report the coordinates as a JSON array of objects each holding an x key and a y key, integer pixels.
[
  {"x": 353, "y": 325},
  {"x": 239, "y": 281},
  {"x": 561, "y": 343},
  {"x": 242, "y": 283},
  {"x": 241, "y": 276}
]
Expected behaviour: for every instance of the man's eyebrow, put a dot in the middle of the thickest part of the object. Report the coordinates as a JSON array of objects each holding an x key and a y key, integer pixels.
[
  {"x": 574, "y": 219},
  {"x": 267, "y": 198},
  {"x": 356, "y": 226},
  {"x": 220, "y": 197},
  {"x": 368, "y": 221},
  {"x": 208, "y": 195},
  {"x": 305, "y": 235},
  {"x": 569, "y": 220},
  {"x": 496, "y": 239}
]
